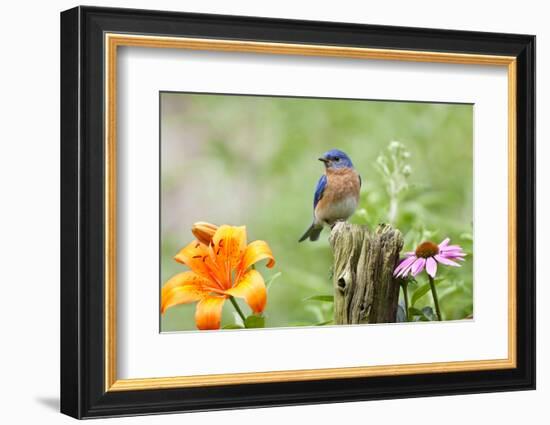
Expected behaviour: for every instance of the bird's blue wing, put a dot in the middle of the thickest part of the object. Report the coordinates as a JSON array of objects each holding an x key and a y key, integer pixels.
[{"x": 319, "y": 190}]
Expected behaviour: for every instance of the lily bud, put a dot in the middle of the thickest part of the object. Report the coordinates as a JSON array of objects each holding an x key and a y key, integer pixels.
[{"x": 204, "y": 231}]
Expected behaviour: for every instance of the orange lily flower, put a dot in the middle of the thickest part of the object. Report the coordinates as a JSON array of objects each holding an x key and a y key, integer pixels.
[{"x": 219, "y": 269}]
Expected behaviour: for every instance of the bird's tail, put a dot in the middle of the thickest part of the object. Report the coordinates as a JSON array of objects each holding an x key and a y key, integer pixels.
[{"x": 312, "y": 233}]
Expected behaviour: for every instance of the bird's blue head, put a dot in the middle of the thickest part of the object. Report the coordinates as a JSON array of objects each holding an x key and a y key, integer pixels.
[{"x": 336, "y": 159}]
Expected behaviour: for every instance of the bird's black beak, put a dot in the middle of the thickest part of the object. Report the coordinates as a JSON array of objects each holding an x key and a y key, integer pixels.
[{"x": 323, "y": 160}]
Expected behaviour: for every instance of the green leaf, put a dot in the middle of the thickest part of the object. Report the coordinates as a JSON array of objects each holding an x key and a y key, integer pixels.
[
  {"x": 328, "y": 322},
  {"x": 233, "y": 326},
  {"x": 324, "y": 298},
  {"x": 415, "y": 312},
  {"x": 412, "y": 284},
  {"x": 447, "y": 292},
  {"x": 254, "y": 321},
  {"x": 273, "y": 278},
  {"x": 422, "y": 290}
]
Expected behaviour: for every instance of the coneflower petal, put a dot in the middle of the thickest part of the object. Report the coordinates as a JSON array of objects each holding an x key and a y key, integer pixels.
[
  {"x": 431, "y": 267},
  {"x": 446, "y": 261},
  {"x": 403, "y": 265},
  {"x": 450, "y": 248},
  {"x": 405, "y": 270},
  {"x": 418, "y": 266},
  {"x": 444, "y": 243},
  {"x": 450, "y": 254}
]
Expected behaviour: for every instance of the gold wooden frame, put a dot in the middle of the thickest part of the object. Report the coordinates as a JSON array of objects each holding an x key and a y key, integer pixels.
[{"x": 113, "y": 41}]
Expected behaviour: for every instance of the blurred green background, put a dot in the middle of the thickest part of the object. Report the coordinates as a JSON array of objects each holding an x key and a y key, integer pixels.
[{"x": 251, "y": 160}]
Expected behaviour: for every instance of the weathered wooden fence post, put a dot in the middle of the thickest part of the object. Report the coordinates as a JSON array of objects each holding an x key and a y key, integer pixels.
[{"x": 364, "y": 290}]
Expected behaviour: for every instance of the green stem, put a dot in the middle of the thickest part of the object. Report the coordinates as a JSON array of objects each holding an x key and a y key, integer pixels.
[
  {"x": 392, "y": 213},
  {"x": 234, "y": 302},
  {"x": 436, "y": 300},
  {"x": 406, "y": 298}
]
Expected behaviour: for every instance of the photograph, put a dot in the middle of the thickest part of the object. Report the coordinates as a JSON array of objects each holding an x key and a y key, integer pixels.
[{"x": 283, "y": 212}]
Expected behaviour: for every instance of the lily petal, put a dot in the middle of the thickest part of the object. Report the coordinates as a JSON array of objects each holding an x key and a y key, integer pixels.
[
  {"x": 251, "y": 287},
  {"x": 208, "y": 314},
  {"x": 229, "y": 244},
  {"x": 197, "y": 258},
  {"x": 257, "y": 251},
  {"x": 183, "y": 288}
]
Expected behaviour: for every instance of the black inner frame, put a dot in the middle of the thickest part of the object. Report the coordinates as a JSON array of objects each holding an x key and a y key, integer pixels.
[{"x": 82, "y": 212}]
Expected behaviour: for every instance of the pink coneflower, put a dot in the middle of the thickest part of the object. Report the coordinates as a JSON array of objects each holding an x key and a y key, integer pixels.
[{"x": 427, "y": 255}]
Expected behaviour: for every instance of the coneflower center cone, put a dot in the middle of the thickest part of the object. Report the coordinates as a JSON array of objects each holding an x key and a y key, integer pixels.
[{"x": 427, "y": 249}]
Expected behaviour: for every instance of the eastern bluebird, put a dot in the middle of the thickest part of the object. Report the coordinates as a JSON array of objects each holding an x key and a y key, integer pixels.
[{"x": 336, "y": 195}]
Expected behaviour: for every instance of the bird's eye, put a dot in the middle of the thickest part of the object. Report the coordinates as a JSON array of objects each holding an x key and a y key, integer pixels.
[{"x": 336, "y": 159}]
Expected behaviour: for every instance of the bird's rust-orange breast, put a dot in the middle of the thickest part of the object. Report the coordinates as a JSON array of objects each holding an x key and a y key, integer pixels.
[{"x": 341, "y": 183}]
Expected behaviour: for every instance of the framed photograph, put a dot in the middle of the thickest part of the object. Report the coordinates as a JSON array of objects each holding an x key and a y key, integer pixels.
[{"x": 261, "y": 212}]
